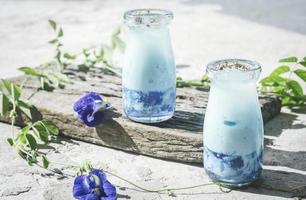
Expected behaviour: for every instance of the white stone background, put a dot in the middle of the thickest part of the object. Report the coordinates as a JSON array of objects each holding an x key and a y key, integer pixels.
[{"x": 263, "y": 30}]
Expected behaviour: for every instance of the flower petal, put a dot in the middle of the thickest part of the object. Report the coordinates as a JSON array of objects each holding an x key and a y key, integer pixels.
[
  {"x": 89, "y": 109},
  {"x": 91, "y": 196},
  {"x": 81, "y": 186},
  {"x": 100, "y": 174},
  {"x": 87, "y": 99},
  {"x": 110, "y": 192}
]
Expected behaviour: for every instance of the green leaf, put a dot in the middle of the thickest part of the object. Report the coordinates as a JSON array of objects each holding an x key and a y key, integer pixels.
[
  {"x": 53, "y": 80},
  {"x": 107, "y": 53},
  {"x": 25, "y": 108},
  {"x": 16, "y": 91},
  {"x": 85, "y": 52},
  {"x": 7, "y": 85},
  {"x": 205, "y": 78},
  {"x": 52, "y": 24},
  {"x": 280, "y": 70},
  {"x": 303, "y": 63},
  {"x": 118, "y": 43},
  {"x": 10, "y": 141},
  {"x": 4, "y": 104},
  {"x": 51, "y": 127},
  {"x": 195, "y": 83},
  {"x": 40, "y": 130},
  {"x": 53, "y": 41},
  {"x": 32, "y": 141},
  {"x": 295, "y": 88},
  {"x": 30, "y": 71},
  {"x": 45, "y": 162},
  {"x": 60, "y": 33},
  {"x": 62, "y": 77},
  {"x": 69, "y": 56},
  {"x": 301, "y": 73},
  {"x": 22, "y": 136},
  {"x": 116, "y": 32},
  {"x": 273, "y": 81},
  {"x": 289, "y": 59},
  {"x": 182, "y": 83}
]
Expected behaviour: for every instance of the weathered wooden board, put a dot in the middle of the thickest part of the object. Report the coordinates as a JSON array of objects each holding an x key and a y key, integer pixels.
[{"x": 179, "y": 138}]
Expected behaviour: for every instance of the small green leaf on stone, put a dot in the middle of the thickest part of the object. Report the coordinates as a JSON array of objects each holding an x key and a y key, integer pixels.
[
  {"x": 45, "y": 162},
  {"x": 289, "y": 59},
  {"x": 301, "y": 73},
  {"x": 30, "y": 71},
  {"x": 22, "y": 135},
  {"x": 10, "y": 141},
  {"x": 40, "y": 130},
  {"x": 52, "y": 24},
  {"x": 62, "y": 77},
  {"x": 51, "y": 127},
  {"x": 32, "y": 141},
  {"x": 205, "y": 78}
]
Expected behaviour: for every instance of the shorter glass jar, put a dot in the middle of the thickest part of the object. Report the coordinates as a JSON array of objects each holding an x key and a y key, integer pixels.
[
  {"x": 148, "y": 78},
  {"x": 233, "y": 126}
]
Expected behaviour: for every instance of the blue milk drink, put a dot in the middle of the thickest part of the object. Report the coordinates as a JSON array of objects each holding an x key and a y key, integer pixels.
[
  {"x": 233, "y": 127},
  {"x": 149, "y": 82}
]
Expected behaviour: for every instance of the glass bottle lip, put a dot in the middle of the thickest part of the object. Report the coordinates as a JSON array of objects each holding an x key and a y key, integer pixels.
[
  {"x": 234, "y": 69},
  {"x": 147, "y": 17}
]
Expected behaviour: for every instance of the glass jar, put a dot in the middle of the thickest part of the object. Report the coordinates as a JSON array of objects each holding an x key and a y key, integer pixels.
[
  {"x": 148, "y": 78},
  {"x": 233, "y": 126}
]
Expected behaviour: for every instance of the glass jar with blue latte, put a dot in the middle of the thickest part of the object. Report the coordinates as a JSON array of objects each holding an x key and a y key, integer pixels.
[
  {"x": 148, "y": 78},
  {"x": 233, "y": 126}
]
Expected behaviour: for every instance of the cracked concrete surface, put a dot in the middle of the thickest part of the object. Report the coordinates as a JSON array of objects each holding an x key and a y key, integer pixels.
[{"x": 202, "y": 31}]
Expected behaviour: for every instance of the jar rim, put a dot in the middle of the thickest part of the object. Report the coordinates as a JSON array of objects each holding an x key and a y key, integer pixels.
[
  {"x": 234, "y": 69},
  {"x": 250, "y": 65},
  {"x": 147, "y": 17}
]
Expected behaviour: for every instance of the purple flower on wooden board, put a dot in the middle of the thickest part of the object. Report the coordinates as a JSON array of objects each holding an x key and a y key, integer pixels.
[{"x": 90, "y": 109}]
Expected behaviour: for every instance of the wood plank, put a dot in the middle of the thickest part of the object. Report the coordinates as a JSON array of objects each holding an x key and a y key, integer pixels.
[{"x": 179, "y": 138}]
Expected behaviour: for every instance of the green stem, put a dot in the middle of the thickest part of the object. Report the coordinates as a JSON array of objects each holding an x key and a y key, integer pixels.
[
  {"x": 24, "y": 82},
  {"x": 110, "y": 68},
  {"x": 161, "y": 191}
]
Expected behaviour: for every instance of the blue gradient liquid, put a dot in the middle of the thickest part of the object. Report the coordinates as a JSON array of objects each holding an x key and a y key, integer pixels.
[
  {"x": 233, "y": 132},
  {"x": 149, "y": 82}
]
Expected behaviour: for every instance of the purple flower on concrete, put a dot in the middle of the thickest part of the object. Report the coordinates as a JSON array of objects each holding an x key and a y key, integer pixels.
[
  {"x": 94, "y": 186},
  {"x": 90, "y": 109}
]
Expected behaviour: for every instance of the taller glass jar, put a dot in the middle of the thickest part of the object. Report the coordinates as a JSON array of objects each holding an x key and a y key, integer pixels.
[
  {"x": 148, "y": 79},
  {"x": 233, "y": 127}
]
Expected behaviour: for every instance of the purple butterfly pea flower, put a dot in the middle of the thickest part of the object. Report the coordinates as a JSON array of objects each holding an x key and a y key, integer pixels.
[
  {"x": 90, "y": 109},
  {"x": 94, "y": 186}
]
